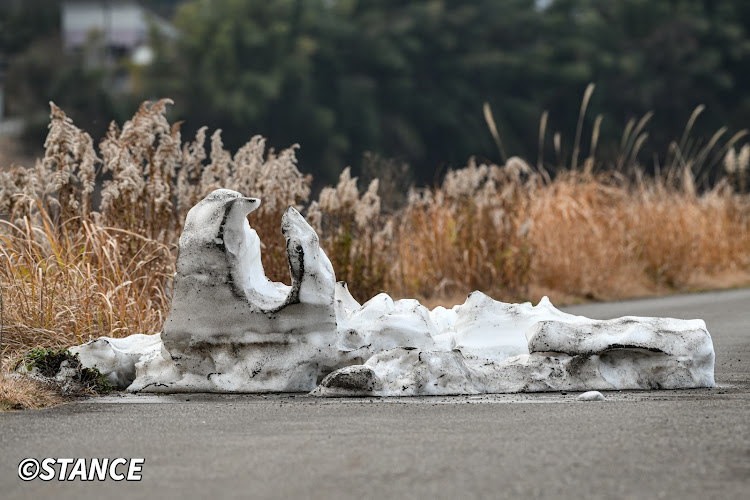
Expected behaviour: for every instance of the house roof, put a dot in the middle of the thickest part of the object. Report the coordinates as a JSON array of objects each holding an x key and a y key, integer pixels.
[{"x": 122, "y": 23}]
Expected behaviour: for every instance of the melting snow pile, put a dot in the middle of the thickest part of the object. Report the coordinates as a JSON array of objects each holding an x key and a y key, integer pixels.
[{"x": 233, "y": 330}]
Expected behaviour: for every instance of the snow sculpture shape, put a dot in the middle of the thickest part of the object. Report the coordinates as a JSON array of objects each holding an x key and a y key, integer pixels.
[
  {"x": 231, "y": 329},
  {"x": 562, "y": 352}
]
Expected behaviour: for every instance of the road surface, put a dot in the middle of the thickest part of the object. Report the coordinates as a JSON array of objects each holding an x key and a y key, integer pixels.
[{"x": 658, "y": 444}]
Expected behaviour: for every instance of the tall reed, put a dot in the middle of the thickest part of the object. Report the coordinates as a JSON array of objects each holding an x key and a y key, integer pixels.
[{"x": 88, "y": 236}]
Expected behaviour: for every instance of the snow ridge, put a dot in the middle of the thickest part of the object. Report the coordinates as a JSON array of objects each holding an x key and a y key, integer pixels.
[{"x": 230, "y": 329}]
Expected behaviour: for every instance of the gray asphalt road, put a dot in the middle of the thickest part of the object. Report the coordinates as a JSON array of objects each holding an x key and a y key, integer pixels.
[{"x": 660, "y": 444}]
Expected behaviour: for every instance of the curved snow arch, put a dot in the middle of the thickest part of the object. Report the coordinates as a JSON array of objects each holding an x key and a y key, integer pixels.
[{"x": 226, "y": 313}]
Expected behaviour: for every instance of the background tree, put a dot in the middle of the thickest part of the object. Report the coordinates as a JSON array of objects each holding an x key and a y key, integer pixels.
[
  {"x": 408, "y": 80},
  {"x": 39, "y": 71}
]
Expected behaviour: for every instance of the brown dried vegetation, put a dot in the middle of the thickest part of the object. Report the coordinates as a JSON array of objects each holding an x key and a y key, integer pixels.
[
  {"x": 78, "y": 262},
  {"x": 26, "y": 393}
]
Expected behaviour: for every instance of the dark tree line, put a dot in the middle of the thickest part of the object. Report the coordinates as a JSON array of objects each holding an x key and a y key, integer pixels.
[{"x": 408, "y": 80}]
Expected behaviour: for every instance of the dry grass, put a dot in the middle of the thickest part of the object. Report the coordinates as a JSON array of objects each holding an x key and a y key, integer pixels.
[
  {"x": 581, "y": 235},
  {"x": 601, "y": 240},
  {"x": 77, "y": 263},
  {"x": 72, "y": 281},
  {"x": 472, "y": 233},
  {"x": 24, "y": 393}
]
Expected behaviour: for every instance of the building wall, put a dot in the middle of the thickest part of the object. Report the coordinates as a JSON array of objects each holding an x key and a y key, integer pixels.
[{"x": 121, "y": 23}]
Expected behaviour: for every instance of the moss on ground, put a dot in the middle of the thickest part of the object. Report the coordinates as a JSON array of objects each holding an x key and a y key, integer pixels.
[{"x": 49, "y": 361}]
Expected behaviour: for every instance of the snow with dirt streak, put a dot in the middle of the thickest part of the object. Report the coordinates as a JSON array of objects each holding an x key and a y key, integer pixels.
[{"x": 230, "y": 329}]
